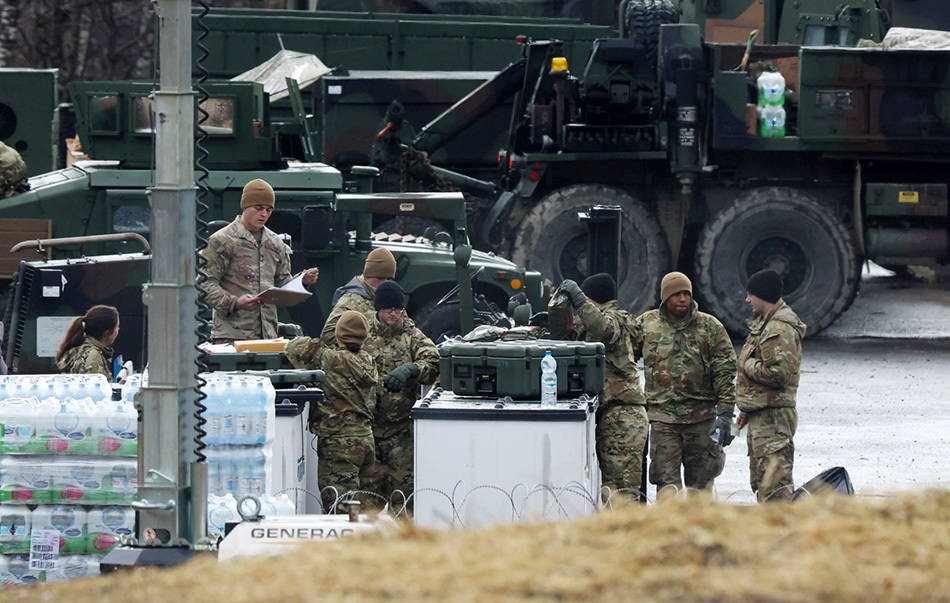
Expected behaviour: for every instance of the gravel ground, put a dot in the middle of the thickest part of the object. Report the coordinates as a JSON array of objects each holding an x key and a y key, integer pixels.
[{"x": 873, "y": 395}]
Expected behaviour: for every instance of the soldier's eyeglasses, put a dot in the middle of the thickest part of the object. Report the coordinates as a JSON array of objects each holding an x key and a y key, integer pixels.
[{"x": 392, "y": 310}]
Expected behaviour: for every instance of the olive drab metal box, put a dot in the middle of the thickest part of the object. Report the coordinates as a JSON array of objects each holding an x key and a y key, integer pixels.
[{"x": 513, "y": 368}]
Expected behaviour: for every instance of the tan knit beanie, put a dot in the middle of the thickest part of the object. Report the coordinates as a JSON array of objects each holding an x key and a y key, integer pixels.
[
  {"x": 257, "y": 192},
  {"x": 352, "y": 328},
  {"x": 673, "y": 283},
  {"x": 380, "y": 263}
]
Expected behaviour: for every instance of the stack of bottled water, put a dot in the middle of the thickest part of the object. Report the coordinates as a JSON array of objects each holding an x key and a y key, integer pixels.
[
  {"x": 223, "y": 510},
  {"x": 240, "y": 431},
  {"x": 67, "y": 465},
  {"x": 771, "y": 111}
]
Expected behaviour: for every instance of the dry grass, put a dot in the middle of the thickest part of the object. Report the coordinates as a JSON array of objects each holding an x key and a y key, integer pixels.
[{"x": 834, "y": 549}]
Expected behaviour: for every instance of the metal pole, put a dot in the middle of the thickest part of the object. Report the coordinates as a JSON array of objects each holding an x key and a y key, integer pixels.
[{"x": 166, "y": 501}]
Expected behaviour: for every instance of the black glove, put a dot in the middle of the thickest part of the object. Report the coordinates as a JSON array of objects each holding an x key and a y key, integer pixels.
[
  {"x": 722, "y": 429},
  {"x": 396, "y": 379},
  {"x": 574, "y": 292}
]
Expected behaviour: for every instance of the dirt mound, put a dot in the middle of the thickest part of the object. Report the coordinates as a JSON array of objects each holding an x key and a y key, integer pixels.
[{"x": 828, "y": 549}]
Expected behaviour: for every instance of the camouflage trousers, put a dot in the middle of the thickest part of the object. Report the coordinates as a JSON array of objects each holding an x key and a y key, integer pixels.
[
  {"x": 772, "y": 452},
  {"x": 621, "y": 442},
  {"x": 688, "y": 446},
  {"x": 394, "y": 459},
  {"x": 348, "y": 464}
]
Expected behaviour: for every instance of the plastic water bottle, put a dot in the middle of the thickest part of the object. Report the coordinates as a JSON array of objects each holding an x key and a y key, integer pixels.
[
  {"x": 15, "y": 522},
  {"x": 214, "y": 415},
  {"x": 243, "y": 403},
  {"x": 221, "y": 510},
  {"x": 226, "y": 406},
  {"x": 262, "y": 395},
  {"x": 106, "y": 525},
  {"x": 277, "y": 505},
  {"x": 548, "y": 381},
  {"x": 226, "y": 476},
  {"x": 773, "y": 121},
  {"x": 771, "y": 86},
  {"x": 251, "y": 479},
  {"x": 131, "y": 387}
]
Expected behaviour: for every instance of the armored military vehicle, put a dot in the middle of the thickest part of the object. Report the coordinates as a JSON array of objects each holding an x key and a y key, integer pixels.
[
  {"x": 856, "y": 175},
  {"x": 327, "y": 222},
  {"x": 663, "y": 120}
]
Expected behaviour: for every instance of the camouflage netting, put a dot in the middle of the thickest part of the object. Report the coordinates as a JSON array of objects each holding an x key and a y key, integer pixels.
[{"x": 821, "y": 549}]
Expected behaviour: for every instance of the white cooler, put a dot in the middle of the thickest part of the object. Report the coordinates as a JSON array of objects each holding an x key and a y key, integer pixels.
[{"x": 480, "y": 461}]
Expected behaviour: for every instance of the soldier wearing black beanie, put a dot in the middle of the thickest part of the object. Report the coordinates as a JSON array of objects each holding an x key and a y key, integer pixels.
[
  {"x": 767, "y": 375},
  {"x": 766, "y": 285},
  {"x": 622, "y": 422},
  {"x": 600, "y": 287},
  {"x": 389, "y": 295}
]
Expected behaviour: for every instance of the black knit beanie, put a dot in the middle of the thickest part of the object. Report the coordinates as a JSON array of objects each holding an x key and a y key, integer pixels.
[
  {"x": 766, "y": 285},
  {"x": 389, "y": 295},
  {"x": 600, "y": 287}
]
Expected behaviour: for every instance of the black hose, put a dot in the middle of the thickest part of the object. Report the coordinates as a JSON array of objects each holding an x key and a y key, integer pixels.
[{"x": 203, "y": 330}]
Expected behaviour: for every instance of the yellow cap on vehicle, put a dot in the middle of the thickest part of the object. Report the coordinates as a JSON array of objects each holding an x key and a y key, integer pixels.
[{"x": 559, "y": 64}]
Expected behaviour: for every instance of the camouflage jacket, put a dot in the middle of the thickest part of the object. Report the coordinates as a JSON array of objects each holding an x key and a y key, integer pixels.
[
  {"x": 13, "y": 174},
  {"x": 770, "y": 361},
  {"x": 357, "y": 295},
  {"x": 614, "y": 328},
  {"x": 238, "y": 265},
  {"x": 349, "y": 389},
  {"x": 89, "y": 357},
  {"x": 393, "y": 346},
  {"x": 689, "y": 366}
]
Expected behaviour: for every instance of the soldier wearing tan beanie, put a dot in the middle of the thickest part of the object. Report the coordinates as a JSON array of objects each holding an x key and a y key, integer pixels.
[
  {"x": 689, "y": 365},
  {"x": 343, "y": 421},
  {"x": 257, "y": 192},
  {"x": 674, "y": 282},
  {"x": 351, "y": 330},
  {"x": 243, "y": 259},
  {"x": 380, "y": 264},
  {"x": 360, "y": 293}
]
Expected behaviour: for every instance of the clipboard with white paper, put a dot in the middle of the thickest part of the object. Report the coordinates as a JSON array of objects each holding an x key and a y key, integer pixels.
[{"x": 290, "y": 294}]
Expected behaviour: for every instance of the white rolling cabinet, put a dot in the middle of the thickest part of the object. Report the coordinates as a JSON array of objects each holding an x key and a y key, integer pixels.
[{"x": 481, "y": 461}]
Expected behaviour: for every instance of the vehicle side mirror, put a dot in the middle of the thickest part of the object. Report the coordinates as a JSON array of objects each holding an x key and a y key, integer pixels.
[{"x": 316, "y": 229}]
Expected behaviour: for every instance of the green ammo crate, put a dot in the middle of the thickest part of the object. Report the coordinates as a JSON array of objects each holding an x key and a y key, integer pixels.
[{"x": 506, "y": 368}]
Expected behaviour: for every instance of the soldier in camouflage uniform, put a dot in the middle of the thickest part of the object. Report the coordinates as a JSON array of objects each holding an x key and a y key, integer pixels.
[
  {"x": 405, "y": 358},
  {"x": 689, "y": 364},
  {"x": 768, "y": 371},
  {"x": 13, "y": 177},
  {"x": 243, "y": 259},
  {"x": 85, "y": 348},
  {"x": 343, "y": 422},
  {"x": 358, "y": 294},
  {"x": 621, "y": 417}
]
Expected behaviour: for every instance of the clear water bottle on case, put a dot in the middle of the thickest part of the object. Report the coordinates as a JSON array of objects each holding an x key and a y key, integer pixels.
[{"x": 548, "y": 381}]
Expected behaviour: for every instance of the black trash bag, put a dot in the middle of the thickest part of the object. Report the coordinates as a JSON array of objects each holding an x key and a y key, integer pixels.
[{"x": 835, "y": 480}]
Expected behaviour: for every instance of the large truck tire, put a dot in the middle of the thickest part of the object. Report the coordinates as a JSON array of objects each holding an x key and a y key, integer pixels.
[
  {"x": 553, "y": 241},
  {"x": 643, "y": 19},
  {"x": 787, "y": 231}
]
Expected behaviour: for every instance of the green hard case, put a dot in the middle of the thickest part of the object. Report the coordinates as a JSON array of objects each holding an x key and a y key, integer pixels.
[{"x": 513, "y": 368}]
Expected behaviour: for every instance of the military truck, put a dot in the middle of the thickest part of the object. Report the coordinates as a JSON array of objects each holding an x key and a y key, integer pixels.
[
  {"x": 662, "y": 121},
  {"x": 326, "y": 221}
]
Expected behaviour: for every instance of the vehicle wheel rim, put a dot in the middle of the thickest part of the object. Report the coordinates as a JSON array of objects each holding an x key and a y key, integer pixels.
[{"x": 782, "y": 255}]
